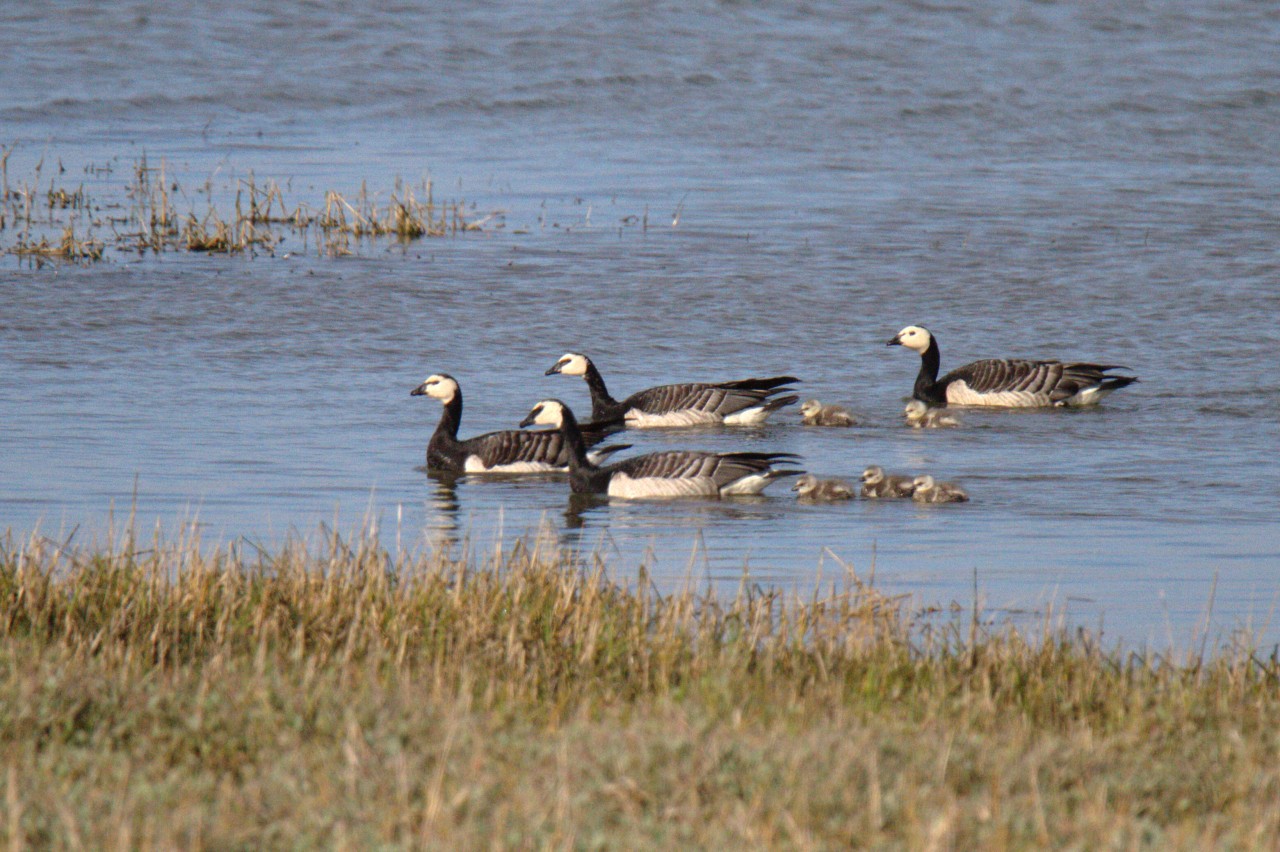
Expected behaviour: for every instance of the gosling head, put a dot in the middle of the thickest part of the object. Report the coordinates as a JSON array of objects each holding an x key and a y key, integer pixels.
[
  {"x": 810, "y": 407},
  {"x": 441, "y": 386},
  {"x": 873, "y": 474},
  {"x": 549, "y": 412},
  {"x": 923, "y": 482},
  {"x": 570, "y": 364},
  {"x": 915, "y": 410},
  {"x": 915, "y": 337},
  {"x": 806, "y": 484}
]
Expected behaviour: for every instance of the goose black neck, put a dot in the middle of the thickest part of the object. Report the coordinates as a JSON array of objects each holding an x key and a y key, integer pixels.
[
  {"x": 574, "y": 442},
  {"x": 601, "y": 402},
  {"x": 926, "y": 389},
  {"x": 450, "y": 419}
]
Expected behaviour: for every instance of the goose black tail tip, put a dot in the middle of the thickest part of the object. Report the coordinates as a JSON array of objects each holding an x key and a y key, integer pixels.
[
  {"x": 1111, "y": 383},
  {"x": 773, "y": 383},
  {"x": 780, "y": 402}
]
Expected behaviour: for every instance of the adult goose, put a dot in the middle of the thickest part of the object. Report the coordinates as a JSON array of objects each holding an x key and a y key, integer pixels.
[
  {"x": 508, "y": 451},
  {"x": 1007, "y": 382},
  {"x": 744, "y": 402},
  {"x": 669, "y": 473}
]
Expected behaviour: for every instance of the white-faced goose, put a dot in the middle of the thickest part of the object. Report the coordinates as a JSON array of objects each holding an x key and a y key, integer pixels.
[
  {"x": 923, "y": 416},
  {"x": 508, "y": 451},
  {"x": 814, "y": 413},
  {"x": 744, "y": 402},
  {"x": 811, "y": 489},
  {"x": 1007, "y": 382},
  {"x": 878, "y": 484},
  {"x": 671, "y": 473},
  {"x": 928, "y": 491}
]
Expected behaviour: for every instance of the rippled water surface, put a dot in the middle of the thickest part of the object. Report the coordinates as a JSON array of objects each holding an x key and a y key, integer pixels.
[{"x": 684, "y": 191}]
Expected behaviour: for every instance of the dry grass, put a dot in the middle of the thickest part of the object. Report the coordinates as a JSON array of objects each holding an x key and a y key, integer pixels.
[{"x": 179, "y": 696}]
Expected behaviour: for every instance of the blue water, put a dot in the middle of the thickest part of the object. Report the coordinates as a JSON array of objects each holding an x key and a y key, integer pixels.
[{"x": 684, "y": 191}]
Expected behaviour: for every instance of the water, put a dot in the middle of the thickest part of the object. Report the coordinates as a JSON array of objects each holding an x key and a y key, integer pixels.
[{"x": 1034, "y": 179}]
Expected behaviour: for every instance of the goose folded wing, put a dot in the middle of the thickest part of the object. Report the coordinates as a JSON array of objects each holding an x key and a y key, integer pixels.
[
  {"x": 713, "y": 399},
  {"x": 511, "y": 447},
  {"x": 671, "y": 464},
  {"x": 667, "y": 398},
  {"x": 1000, "y": 374}
]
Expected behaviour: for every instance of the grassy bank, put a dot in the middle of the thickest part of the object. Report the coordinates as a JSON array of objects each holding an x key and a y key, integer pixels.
[{"x": 173, "y": 696}]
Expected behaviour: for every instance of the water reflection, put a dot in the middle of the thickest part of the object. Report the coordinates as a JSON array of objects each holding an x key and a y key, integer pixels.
[{"x": 444, "y": 505}]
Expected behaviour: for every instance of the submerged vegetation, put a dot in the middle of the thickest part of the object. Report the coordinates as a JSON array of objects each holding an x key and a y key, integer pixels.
[
  {"x": 51, "y": 219},
  {"x": 174, "y": 695}
]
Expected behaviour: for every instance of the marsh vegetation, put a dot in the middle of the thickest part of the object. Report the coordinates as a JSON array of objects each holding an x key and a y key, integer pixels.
[
  {"x": 49, "y": 215},
  {"x": 162, "y": 694}
]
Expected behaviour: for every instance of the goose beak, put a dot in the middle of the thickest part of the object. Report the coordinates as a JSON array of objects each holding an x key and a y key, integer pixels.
[
  {"x": 528, "y": 420},
  {"x": 896, "y": 341},
  {"x": 555, "y": 368},
  {"x": 420, "y": 390}
]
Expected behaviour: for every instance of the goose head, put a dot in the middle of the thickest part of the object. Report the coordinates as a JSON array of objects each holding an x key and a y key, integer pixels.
[
  {"x": 873, "y": 474},
  {"x": 915, "y": 337},
  {"x": 923, "y": 482},
  {"x": 915, "y": 410},
  {"x": 549, "y": 412},
  {"x": 570, "y": 364},
  {"x": 806, "y": 484},
  {"x": 810, "y": 407},
  {"x": 441, "y": 386}
]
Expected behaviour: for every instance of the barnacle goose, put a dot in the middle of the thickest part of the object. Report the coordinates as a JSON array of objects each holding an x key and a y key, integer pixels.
[
  {"x": 670, "y": 473},
  {"x": 744, "y": 402},
  {"x": 1007, "y": 382},
  {"x": 509, "y": 451},
  {"x": 876, "y": 483},
  {"x": 811, "y": 489},
  {"x": 928, "y": 491},
  {"x": 922, "y": 416},
  {"x": 814, "y": 413}
]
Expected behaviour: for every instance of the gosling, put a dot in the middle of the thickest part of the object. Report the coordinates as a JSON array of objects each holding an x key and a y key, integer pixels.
[
  {"x": 878, "y": 484},
  {"x": 811, "y": 489},
  {"x": 922, "y": 416},
  {"x": 928, "y": 491},
  {"x": 815, "y": 413}
]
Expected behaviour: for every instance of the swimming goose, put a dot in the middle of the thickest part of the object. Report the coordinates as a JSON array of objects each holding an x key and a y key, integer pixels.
[
  {"x": 508, "y": 451},
  {"x": 815, "y": 413},
  {"x": 1007, "y": 382},
  {"x": 922, "y": 416},
  {"x": 670, "y": 473},
  {"x": 876, "y": 483},
  {"x": 744, "y": 402},
  {"x": 811, "y": 489},
  {"x": 928, "y": 491}
]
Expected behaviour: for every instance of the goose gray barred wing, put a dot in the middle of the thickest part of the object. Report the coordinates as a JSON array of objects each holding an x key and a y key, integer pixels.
[
  {"x": 511, "y": 447},
  {"x": 700, "y": 396},
  {"x": 733, "y": 466},
  {"x": 1053, "y": 379},
  {"x": 666, "y": 464},
  {"x": 722, "y": 468},
  {"x": 1001, "y": 374}
]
